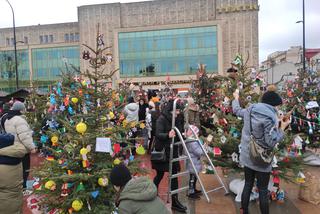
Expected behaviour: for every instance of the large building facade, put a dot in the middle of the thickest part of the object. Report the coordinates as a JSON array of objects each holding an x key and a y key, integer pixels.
[{"x": 151, "y": 41}]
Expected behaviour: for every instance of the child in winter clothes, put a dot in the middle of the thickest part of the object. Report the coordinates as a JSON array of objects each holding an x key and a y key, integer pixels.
[{"x": 196, "y": 152}]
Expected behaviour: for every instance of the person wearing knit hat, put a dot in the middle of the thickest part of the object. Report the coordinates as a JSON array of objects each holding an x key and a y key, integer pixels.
[
  {"x": 136, "y": 195},
  {"x": 262, "y": 123},
  {"x": 18, "y": 106},
  {"x": 13, "y": 177}
]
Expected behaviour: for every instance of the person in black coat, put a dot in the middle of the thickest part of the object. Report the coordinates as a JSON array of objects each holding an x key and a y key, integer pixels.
[{"x": 163, "y": 139}]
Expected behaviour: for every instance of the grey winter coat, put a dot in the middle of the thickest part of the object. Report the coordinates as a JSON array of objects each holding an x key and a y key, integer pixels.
[
  {"x": 140, "y": 196},
  {"x": 264, "y": 127},
  {"x": 131, "y": 111},
  {"x": 195, "y": 153}
]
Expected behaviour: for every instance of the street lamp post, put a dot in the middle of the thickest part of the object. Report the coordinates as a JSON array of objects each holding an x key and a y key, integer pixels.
[
  {"x": 303, "y": 37},
  {"x": 15, "y": 46}
]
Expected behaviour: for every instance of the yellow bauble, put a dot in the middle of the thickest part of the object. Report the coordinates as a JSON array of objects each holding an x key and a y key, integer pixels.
[
  {"x": 140, "y": 150},
  {"x": 124, "y": 123},
  {"x": 77, "y": 205},
  {"x": 84, "y": 83},
  {"x": 103, "y": 118},
  {"x": 103, "y": 182},
  {"x": 74, "y": 100},
  {"x": 116, "y": 161},
  {"x": 133, "y": 124},
  {"x": 83, "y": 151},
  {"x": 111, "y": 115},
  {"x": 81, "y": 128},
  {"x": 142, "y": 125},
  {"x": 50, "y": 185},
  {"x": 54, "y": 139}
]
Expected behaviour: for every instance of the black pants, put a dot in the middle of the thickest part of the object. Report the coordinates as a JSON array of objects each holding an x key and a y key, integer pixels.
[
  {"x": 262, "y": 184},
  {"x": 25, "y": 168},
  {"x": 160, "y": 174}
]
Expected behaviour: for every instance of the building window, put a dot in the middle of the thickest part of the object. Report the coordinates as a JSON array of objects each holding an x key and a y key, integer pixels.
[
  {"x": 71, "y": 37},
  {"x": 66, "y": 37},
  {"x": 76, "y": 37},
  {"x": 8, "y": 41},
  {"x": 51, "y": 38},
  {"x": 25, "y": 40},
  {"x": 41, "y": 39},
  {"x": 46, "y": 39},
  {"x": 168, "y": 51},
  {"x": 12, "y": 42}
]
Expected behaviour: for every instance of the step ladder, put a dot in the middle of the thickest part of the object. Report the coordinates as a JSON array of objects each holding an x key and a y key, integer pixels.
[{"x": 186, "y": 156}]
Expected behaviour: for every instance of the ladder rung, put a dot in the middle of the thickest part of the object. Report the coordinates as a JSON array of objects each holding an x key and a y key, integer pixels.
[
  {"x": 179, "y": 190},
  {"x": 183, "y": 157},
  {"x": 179, "y": 174},
  {"x": 215, "y": 189}
]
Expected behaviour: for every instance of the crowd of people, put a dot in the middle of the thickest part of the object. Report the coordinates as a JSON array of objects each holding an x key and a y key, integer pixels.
[{"x": 261, "y": 121}]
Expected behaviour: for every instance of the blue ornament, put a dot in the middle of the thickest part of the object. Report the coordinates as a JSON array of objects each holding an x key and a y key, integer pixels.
[
  {"x": 44, "y": 138},
  {"x": 72, "y": 86},
  {"x": 52, "y": 99},
  {"x": 131, "y": 158},
  {"x": 62, "y": 108},
  {"x": 95, "y": 194},
  {"x": 70, "y": 110}
]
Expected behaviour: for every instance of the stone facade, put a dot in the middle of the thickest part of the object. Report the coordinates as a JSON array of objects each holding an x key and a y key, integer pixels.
[
  {"x": 237, "y": 22},
  {"x": 33, "y": 33}
]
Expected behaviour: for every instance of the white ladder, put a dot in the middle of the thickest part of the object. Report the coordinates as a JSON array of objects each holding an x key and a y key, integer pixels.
[{"x": 187, "y": 156}]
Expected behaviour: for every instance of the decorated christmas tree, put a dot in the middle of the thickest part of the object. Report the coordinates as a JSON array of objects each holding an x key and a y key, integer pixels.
[
  {"x": 302, "y": 97},
  {"x": 221, "y": 129},
  {"x": 84, "y": 136}
]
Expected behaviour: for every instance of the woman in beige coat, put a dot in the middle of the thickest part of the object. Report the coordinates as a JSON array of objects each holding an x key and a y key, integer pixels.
[{"x": 11, "y": 173}]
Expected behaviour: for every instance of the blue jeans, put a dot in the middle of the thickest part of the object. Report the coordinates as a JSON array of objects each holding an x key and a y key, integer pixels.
[{"x": 262, "y": 184}]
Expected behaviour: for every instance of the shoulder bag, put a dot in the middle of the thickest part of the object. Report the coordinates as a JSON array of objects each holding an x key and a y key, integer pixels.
[
  {"x": 259, "y": 154},
  {"x": 158, "y": 156}
]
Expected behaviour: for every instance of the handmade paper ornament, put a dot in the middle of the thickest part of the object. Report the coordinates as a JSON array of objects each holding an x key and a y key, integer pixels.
[
  {"x": 43, "y": 138},
  {"x": 223, "y": 139},
  {"x": 50, "y": 158},
  {"x": 301, "y": 178},
  {"x": 95, "y": 194},
  {"x": 75, "y": 100},
  {"x": 70, "y": 110},
  {"x": 83, "y": 153},
  {"x": 50, "y": 185},
  {"x": 36, "y": 184},
  {"x": 280, "y": 196},
  {"x": 116, "y": 148},
  {"x": 140, "y": 150},
  {"x": 81, "y": 128},
  {"x": 64, "y": 190},
  {"x": 209, "y": 138},
  {"x": 54, "y": 140},
  {"x": 77, "y": 205},
  {"x": 142, "y": 125},
  {"x": 111, "y": 115},
  {"x": 235, "y": 157},
  {"x": 103, "y": 181},
  {"x": 85, "y": 55},
  {"x": 52, "y": 99},
  {"x": 116, "y": 161},
  {"x": 217, "y": 151},
  {"x": 108, "y": 58},
  {"x": 80, "y": 187}
]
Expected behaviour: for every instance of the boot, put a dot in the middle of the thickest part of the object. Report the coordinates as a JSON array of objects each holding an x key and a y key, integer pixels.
[
  {"x": 176, "y": 205},
  {"x": 192, "y": 194},
  {"x": 198, "y": 192}
]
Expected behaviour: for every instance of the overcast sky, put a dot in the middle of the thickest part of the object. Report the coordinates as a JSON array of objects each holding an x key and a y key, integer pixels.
[{"x": 277, "y": 19}]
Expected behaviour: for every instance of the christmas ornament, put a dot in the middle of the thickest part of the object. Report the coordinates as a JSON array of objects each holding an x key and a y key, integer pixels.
[
  {"x": 74, "y": 100},
  {"x": 54, "y": 140},
  {"x": 116, "y": 161},
  {"x": 103, "y": 181},
  {"x": 83, "y": 153},
  {"x": 301, "y": 178},
  {"x": 77, "y": 205},
  {"x": 81, "y": 128},
  {"x": 70, "y": 110},
  {"x": 80, "y": 187},
  {"x": 217, "y": 151},
  {"x": 140, "y": 150},
  {"x": 116, "y": 148},
  {"x": 51, "y": 185},
  {"x": 95, "y": 194},
  {"x": 142, "y": 125}
]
